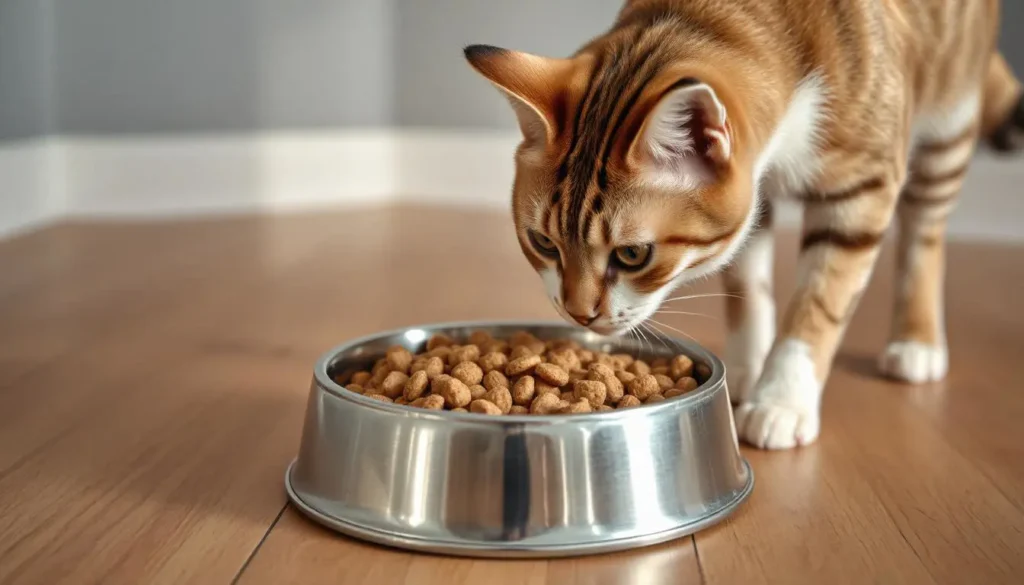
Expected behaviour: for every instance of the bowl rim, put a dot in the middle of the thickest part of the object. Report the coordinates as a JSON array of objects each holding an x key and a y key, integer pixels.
[{"x": 703, "y": 392}]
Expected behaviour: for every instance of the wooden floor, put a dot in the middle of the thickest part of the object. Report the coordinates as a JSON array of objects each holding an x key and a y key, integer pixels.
[{"x": 153, "y": 380}]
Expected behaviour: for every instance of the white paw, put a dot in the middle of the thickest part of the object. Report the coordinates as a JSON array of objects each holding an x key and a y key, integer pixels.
[
  {"x": 776, "y": 426},
  {"x": 914, "y": 362},
  {"x": 783, "y": 409}
]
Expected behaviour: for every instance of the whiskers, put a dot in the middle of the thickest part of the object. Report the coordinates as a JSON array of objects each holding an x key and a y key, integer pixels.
[{"x": 704, "y": 296}]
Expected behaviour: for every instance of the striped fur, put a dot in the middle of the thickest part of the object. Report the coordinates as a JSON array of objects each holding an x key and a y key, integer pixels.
[{"x": 674, "y": 130}]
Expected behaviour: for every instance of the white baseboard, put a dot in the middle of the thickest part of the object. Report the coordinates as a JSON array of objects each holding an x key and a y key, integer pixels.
[
  {"x": 26, "y": 197},
  {"x": 187, "y": 175},
  {"x": 165, "y": 176}
]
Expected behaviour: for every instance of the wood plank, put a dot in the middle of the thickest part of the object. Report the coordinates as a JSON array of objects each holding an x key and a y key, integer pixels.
[
  {"x": 153, "y": 378},
  {"x": 158, "y": 486},
  {"x": 299, "y": 551}
]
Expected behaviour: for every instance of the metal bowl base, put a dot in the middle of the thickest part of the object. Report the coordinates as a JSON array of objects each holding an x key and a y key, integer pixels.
[{"x": 513, "y": 549}]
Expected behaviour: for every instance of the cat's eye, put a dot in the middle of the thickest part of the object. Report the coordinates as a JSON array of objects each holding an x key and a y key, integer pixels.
[
  {"x": 632, "y": 257},
  {"x": 543, "y": 244}
]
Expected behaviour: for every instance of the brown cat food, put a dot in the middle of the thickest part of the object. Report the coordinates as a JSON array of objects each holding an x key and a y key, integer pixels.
[{"x": 522, "y": 375}]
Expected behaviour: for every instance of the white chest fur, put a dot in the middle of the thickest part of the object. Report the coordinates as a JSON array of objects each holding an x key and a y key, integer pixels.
[{"x": 790, "y": 161}]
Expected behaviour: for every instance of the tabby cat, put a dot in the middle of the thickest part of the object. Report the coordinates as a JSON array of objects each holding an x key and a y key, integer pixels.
[{"x": 651, "y": 157}]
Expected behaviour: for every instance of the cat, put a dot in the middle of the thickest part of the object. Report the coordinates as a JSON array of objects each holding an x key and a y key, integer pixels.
[{"x": 651, "y": 156}]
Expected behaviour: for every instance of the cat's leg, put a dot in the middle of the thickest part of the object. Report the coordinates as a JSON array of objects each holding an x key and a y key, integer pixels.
[
  {"x": 750, "y": 308},
  {"x": 917, "y": 347},
  {"x": 843, "y": 230}
]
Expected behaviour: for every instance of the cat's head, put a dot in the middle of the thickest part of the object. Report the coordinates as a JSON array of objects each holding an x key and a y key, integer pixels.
[{"x": 628, "y": 180}]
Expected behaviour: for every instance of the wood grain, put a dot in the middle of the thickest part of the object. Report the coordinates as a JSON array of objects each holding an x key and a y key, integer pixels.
[{"x": 153, "y": 378}]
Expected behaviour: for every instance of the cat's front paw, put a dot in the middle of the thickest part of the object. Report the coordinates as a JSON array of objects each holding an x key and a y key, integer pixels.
[
  {"x": 777, "y": 426},
  {"x": 914, "y": 362},
  {"x": 783, "y": 411}
]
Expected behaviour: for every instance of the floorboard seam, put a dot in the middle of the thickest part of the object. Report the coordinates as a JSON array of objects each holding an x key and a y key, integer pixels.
[
  {"x": 700, "y": 565},
  {"x": 259, "y": 544}
]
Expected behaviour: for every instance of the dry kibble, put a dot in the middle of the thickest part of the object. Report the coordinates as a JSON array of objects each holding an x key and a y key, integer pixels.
[
  {"x": 439, "y": 340},
  {"x": 623, "y": 360},
  {"x": 465, "y": 353},
  {"x": 454, "y": 392},
  {"x": 613, "y": 386},
  {"x": 521, "y": 351},
  {"x": 628, "y": 401},
  {"x": 477, "y": 391},
  {"x": 545, "y": 388},
  {"x": 579, "y": 407},
  {"x": 643, "y": 387},
  {"x": 625, "y": 377},
  {"x": 434, "y": 368},
  {"x": 418, "y": 364},
  {"x": 441, "y": 352},
  {"x": 494, "y": 378},
  {"x": 523, "y": 391},
  {"x": 393, "y": 384},
  {"x": 681, "y": 366},
  {"x": 432, "y": 402},
  {"x": 577, "y": 375},
  {"x": 673, "y": 392},
  {"x": 469, "y": 373},
  {"x": 552, "y": 374},
  {"x": 592, "y": 391},
  {"x": 399, "y": 359},
  {"x": 664, "y": 381},
  {"x": 639, "y": 368},
  {"x": 482, "y": 406},
  {"x": 521, "y": 338},
  {"x": 703, "y": 372},
  {"x": 500, "y": 396},
  {"x": 495, "y": 346},
  {"x": 686, "y": 384},
  {"x": 416, "y": 385},
  {"x": 493, "y": 361},
  {"x": 546, "y": 404},
  {"x": 565, "y": 359},
  {"x": 521, "y": 374},
  {"x": 479, "y": 338},
  {"x": 522, "y": 365},
  {"x": 379, "y": 375}
]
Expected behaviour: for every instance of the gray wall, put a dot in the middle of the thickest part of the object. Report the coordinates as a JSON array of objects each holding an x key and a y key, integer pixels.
[
  {"x": 1011, "y": 38},
  {"x": 25, "y": 45},
  {"x": 438, "y": 88},
  {"x": 127, "y": 66}
]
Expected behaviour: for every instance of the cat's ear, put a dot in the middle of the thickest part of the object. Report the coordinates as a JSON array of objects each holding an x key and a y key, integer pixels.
[
  {"x": 684, "y": 138},
  {"x": 534, "y": 86}
]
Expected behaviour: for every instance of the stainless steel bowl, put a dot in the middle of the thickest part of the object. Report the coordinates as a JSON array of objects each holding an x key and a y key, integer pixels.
[{"x": 516, "y": 486}]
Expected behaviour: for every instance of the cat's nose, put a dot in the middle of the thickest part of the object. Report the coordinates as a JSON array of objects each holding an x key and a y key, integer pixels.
[{"x": 581, "y": 319}]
